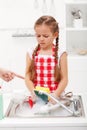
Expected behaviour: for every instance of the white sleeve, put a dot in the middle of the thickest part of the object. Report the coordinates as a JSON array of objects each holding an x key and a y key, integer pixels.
[{"x": 61, "y": 50}]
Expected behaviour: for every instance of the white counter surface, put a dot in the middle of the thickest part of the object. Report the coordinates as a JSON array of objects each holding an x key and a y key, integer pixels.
[{"x": 29, "y": 122}]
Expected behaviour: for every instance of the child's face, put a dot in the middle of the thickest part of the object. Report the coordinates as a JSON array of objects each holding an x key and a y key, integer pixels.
[{"x": 44, "y": 36}]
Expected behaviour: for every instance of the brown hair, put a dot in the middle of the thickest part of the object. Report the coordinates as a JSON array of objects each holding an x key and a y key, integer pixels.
[{"x": 52, "y": 23}]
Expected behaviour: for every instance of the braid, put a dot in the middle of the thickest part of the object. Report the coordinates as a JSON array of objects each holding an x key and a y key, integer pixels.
[
  {"x": 32, "y": 66},
  {"x": 35, "y": 51},
  {"x": 56, "y": 50},
  {"x": 57, "y": 70}
]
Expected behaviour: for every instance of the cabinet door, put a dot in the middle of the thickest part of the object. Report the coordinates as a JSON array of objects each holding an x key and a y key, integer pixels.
[{"x": 77, "y": 73}]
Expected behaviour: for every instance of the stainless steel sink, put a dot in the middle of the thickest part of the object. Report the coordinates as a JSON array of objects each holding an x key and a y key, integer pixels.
[{"x": 72, "y": 107}]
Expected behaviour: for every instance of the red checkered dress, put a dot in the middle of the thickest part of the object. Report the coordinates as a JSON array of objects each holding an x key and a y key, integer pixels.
[{"x": 44, "y": 66}]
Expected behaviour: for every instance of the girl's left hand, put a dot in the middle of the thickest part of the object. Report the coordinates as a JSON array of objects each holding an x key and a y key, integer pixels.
[{"x": 51, "y": 100}]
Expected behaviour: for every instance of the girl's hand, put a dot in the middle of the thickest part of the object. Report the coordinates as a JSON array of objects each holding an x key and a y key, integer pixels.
[
  {"x": 33, "y": 95},
  {"x": 51, "y": 100}
]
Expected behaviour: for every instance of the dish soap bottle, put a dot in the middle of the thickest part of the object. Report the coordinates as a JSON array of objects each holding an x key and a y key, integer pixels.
[{"x": 1, "y": 104}]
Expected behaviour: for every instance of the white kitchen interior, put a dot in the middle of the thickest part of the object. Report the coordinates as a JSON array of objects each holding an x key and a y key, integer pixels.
[{"x": 17, "y": 19}]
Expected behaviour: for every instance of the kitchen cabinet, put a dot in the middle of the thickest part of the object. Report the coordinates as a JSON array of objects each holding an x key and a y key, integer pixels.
[
  {"x": 76, "y": 33},
  {"x": 77, "y": 73}
]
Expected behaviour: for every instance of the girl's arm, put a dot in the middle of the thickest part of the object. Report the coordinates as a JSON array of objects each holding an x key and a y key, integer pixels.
[
  {"x": 28, "y": 81},
  {"x": 64, "y": 75}
]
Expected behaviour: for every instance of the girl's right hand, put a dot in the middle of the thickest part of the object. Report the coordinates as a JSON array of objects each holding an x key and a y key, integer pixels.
[{"x": 33, "y": 95}]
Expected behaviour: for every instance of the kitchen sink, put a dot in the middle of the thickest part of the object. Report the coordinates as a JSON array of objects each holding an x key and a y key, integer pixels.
[{"x": 67, "y": 107}]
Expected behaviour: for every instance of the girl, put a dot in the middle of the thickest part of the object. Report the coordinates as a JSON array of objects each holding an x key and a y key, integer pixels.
[{"x": 44, "y": 66}]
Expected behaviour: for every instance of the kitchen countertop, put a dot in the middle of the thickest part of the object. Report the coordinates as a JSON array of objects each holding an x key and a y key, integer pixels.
[{"x": 27, "y": 122}]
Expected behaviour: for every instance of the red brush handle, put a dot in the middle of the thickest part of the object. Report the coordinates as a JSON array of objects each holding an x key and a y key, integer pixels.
[{"x": 30, "y": 101}]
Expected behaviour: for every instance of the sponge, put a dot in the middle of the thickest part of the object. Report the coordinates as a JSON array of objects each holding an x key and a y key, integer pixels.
[{"x": 43, "y": 96}]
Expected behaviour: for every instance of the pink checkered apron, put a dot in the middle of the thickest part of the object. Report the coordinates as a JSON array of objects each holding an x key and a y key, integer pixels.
[{"x": 44, "y": 66}]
